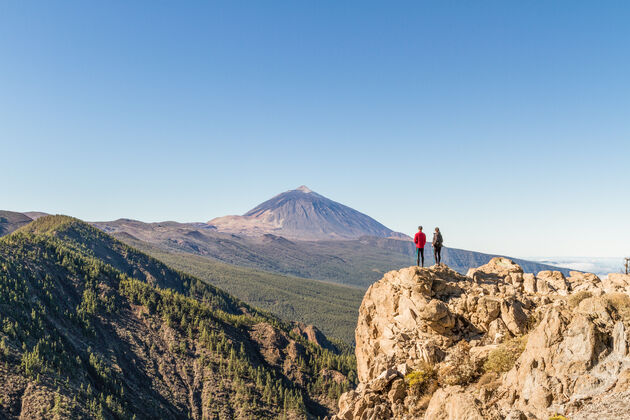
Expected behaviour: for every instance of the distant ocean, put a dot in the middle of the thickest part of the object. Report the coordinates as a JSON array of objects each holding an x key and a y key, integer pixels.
[{"x": 598, "y": 265}]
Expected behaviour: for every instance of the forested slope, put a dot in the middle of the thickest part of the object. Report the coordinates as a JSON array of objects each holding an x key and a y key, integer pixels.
[{"x": 92, "y": 328}]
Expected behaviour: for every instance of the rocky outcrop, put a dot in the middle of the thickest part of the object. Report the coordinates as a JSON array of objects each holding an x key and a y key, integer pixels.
[
  {"x": 497, "y": 343},
  {"x": 314, "y": 335}
]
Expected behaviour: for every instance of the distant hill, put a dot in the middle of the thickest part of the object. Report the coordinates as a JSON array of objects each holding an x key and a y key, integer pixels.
[
  {"x": 93, "y": 328},
  {"x": 35, "y": 214},
  {"x": 11, "y": 221},
  {"x": 357, "y": 262},
  {"x": 303, "y": 214}
]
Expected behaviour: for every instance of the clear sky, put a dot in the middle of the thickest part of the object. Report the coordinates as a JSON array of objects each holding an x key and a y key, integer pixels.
[{"x": 507, "y": 124}]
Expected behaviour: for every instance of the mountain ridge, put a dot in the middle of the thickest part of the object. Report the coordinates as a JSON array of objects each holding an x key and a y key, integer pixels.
[
  {"x": 357, "y": 262},
  {"x": 11, "y": 221},
  {"x": 93, "y": 328}
]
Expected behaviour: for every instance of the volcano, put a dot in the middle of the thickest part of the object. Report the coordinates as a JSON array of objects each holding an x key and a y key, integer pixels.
[{"x": 305, "y": 215}]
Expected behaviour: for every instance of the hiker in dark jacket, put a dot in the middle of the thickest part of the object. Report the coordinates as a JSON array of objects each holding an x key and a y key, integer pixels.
[
  {"x": 437, "y": 245},
  {"x": 420, "y": 240}
]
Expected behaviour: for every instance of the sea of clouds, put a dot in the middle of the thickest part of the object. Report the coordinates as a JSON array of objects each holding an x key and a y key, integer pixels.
[{"x": 598, "y": 265}]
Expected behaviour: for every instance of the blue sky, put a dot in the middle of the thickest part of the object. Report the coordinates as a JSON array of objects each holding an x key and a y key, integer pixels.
[{"x": 505, "y": 123}]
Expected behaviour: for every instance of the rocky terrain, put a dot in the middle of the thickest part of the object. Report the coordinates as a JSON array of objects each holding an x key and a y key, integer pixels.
[{"x": 497, "y": 343}]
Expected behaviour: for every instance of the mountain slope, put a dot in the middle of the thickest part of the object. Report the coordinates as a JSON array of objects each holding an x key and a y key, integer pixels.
[
  {"x": 10, "y": 221},
  {"x": 95, "y": 329},
  {"x": 332, "y": 307},
  {"x": 304, "y": 215},
  {"x": 358, "y": 262},
  {"x": 35, "y": 214}
]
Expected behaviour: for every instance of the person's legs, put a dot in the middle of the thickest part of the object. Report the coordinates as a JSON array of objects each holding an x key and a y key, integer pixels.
[
  {"x": 418, "y": 255},
  {"x": 438, "y": 254},
  {"x": 421, "y": 252}
]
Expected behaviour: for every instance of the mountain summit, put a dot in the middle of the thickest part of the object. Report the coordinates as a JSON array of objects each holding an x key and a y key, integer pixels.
[{"x": 303, "y": 214}]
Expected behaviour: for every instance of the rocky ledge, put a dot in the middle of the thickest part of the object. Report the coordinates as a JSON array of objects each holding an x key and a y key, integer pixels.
[{"x": 494, "y": 344}]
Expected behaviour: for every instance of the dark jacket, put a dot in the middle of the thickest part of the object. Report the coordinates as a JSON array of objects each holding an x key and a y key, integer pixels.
[{"x": 437, "y": 239}]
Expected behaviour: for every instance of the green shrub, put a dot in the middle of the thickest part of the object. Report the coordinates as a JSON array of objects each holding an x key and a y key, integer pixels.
[
  {"x": 32, "y": 362},
  {"x": 4, "y": 348},
  {"x": 503, "y": 358},
  {"x": 422, "y": 380},
  {"x": 558, "y": 417}
]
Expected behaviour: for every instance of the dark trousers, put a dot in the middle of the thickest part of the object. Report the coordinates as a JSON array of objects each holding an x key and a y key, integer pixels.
[
  {"x": 437, "y": 253},
  {"x": 420, "y": 254}
]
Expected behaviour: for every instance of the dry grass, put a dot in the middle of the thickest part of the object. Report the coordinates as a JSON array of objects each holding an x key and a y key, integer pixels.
[
  {"x": 503, "y": 358},
  {"x": 458, "y": 368},
  {"x": 621, "y": 303},
  {"x": 489, "y": 380},
  {"x": 575, "y": 299}
]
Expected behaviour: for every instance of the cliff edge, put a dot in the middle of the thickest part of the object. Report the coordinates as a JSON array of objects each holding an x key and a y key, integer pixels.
[{"x": 497, "y": 343}]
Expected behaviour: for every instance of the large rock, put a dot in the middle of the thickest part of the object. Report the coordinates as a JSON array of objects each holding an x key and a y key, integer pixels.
[
  {"x": 438, "y": 317},
  {"x": 572, "y": 356},
  {"x": 513, "y": 316},
  {"x": 397, "y": 319},
  {"x": 555, "y": 282},
  {"x": 452, "y": 403},
  {"x": 496, "y": 269},
  {"x": 495, "y": 344},
  {"x": 580, "y": 281},
  {"x": 616, "y": 282}
]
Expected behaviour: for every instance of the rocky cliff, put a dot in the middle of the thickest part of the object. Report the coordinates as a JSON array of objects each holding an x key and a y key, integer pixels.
[{"x": 497, "y": 343}]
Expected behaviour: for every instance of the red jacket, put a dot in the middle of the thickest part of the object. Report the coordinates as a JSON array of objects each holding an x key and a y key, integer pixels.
[{"x": 420, "y": 240}]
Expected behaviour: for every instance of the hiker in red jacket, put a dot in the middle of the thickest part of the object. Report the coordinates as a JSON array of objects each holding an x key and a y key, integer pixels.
[{"x": 420, "y": 240}]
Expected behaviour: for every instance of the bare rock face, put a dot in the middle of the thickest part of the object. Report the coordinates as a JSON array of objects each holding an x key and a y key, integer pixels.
[
  {"x": 553, "y": 281},
  {"x": 571, "y": 357},
  {"x": 497, "y": 268},
  {"x": 314, "y": 335},
  {"x": 452, "y": 403},
  {"x": 617, "y": 282},
  {"x": 495, "y": 344},
  {"x": 400, "y": 320}
]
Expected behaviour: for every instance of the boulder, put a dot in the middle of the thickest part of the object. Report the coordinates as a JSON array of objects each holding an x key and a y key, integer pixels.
[
  {"x": 555, "y": 281},
  {"x": 583, "y": 281},
  {"x": 487, "y": 310},
  {"x": 529, "y": 283},
  {"x": 616, "y": 282},
  {"x": 452, "y": 403},
  {"x": 437, "y": 316},
  {"x": 513, "y": 316},
  {"x": 497, "y": 269}
]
